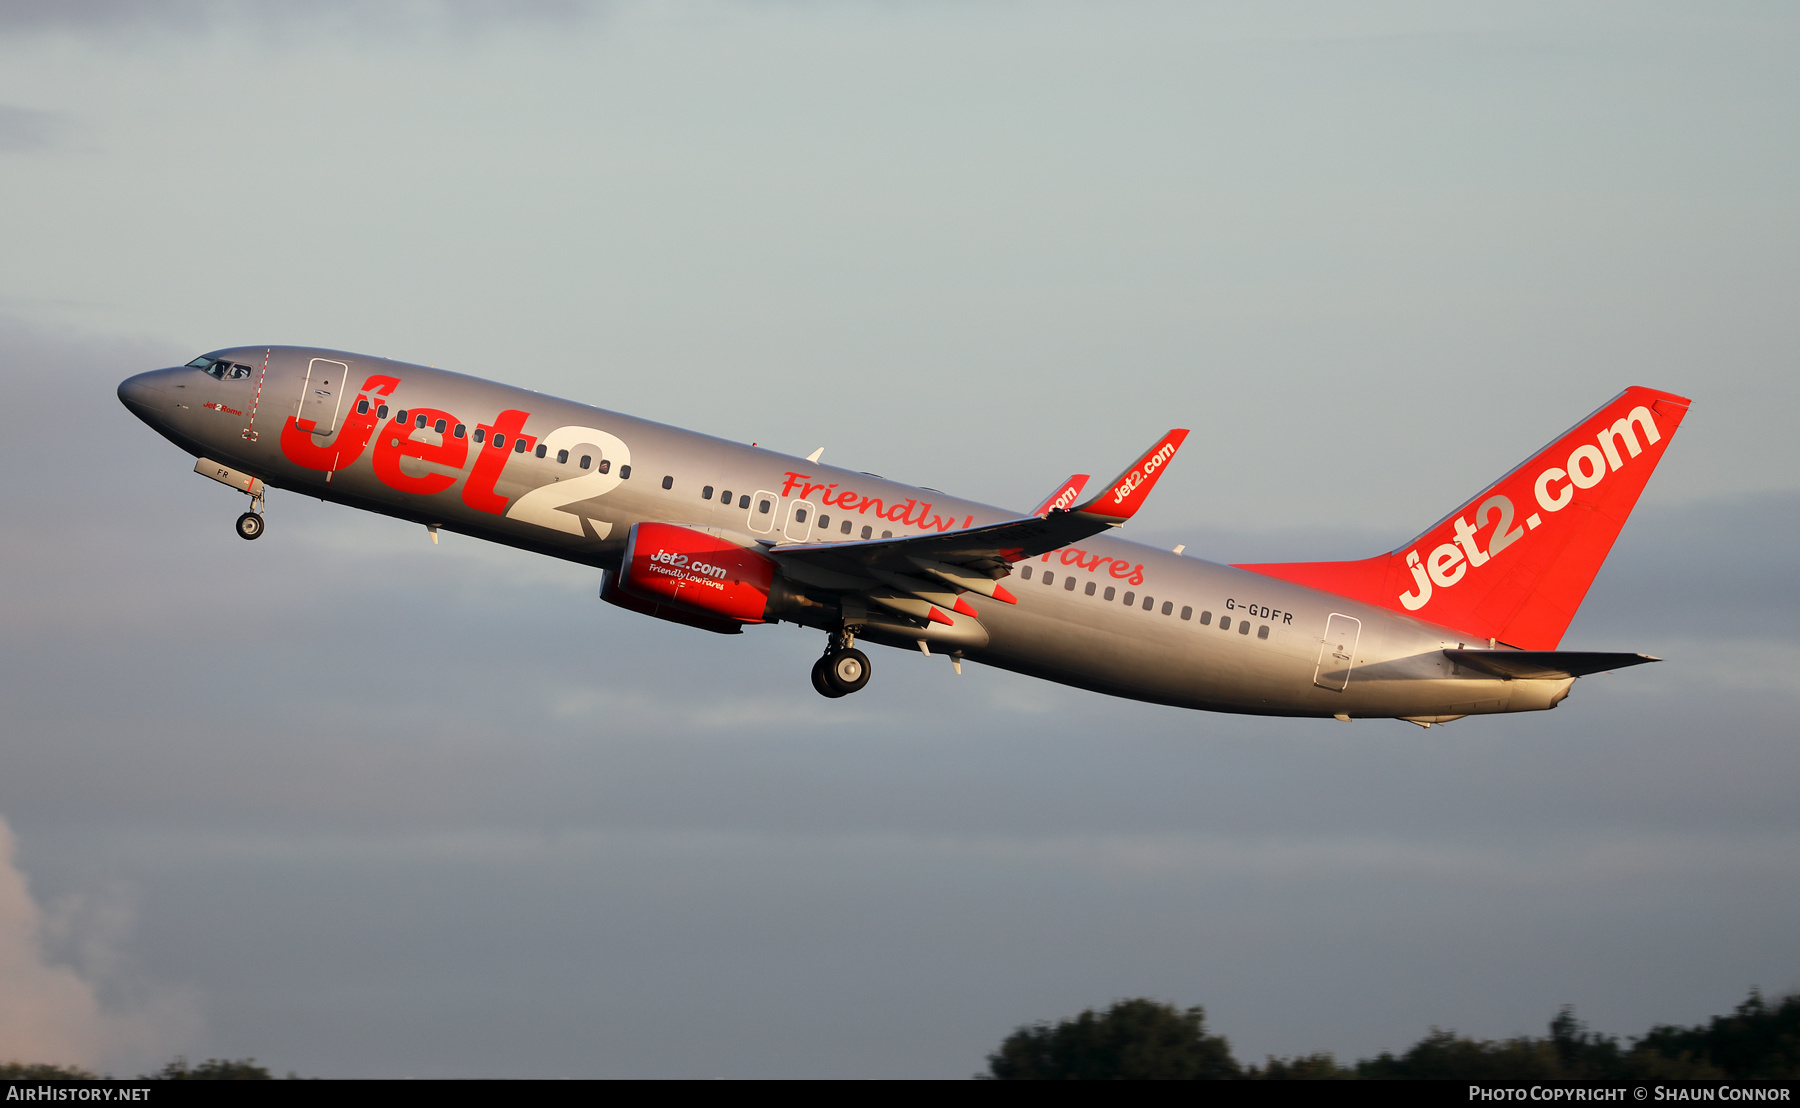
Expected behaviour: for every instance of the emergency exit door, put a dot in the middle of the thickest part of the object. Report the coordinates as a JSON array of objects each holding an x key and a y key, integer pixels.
[{"x": 1337, "y": 652}]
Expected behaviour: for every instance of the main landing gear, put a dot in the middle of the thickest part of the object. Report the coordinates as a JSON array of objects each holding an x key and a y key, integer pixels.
[{"x": 843, "y": 669}]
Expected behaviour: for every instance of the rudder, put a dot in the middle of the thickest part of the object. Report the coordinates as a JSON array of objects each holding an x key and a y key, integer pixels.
[{"x": 1514, "y": 563}]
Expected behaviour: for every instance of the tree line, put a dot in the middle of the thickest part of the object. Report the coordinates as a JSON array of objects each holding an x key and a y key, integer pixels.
[
  {"x": 213, "y": 1069},
  {"x": 1148, "y": 1039}
]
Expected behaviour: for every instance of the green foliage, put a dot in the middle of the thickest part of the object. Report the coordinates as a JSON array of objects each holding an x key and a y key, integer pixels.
[
  {"x": 1571, "y": 1053},
  {"x": 43, "y": 1071},
  {"x": 1144, "y": 1038},
  {"x": 213, "y": 1069},
  {"x": 1132, "y": 1040},
  {"x": 1755, "y": 1042},
  {"x": 1303, "y": 1067}
]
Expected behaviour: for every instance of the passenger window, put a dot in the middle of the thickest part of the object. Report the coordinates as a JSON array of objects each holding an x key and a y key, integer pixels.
[
  {"x": 725, "y": 498},
  {"x": 419, "y": 422},
  {"x": 1167, "y": 607},
  {"x": 562, "y": 457},
  {"x": 867, "y": 531},
  {"x": 520, "y": 445},
  {"x": 381, "y": 411},
  {"x": 400, "y": 416},
  {"x": 800, "y": 515},
  {"x": 762, "y": 507},
  {"x": 1090, "y": 588},
  {"x": 587, "y": 460},
  {"x": 605, "y": 466},
  {"x": 1025, "y": 573},
  {"x": 479, "y": 434},
  {"x": 1205, "y": 618},
  {"x": 1109, "y": 593},
  {"x": 1129, "y": 597},
  {"x": 887, "y": 534},
  {"x": 1148, "y": 603},
  {"x": 824, "y": 521},
  {"x": 542, "y": 450},
  {"x": 1263, "y": 631},
  {"x": 1049, "y": 578},
  {"x": 499, "y": 442},
  {"x": 441, "y": 426},
  {"x": 624, "y": 473},
  {"x": 668, "y": 482},
  {"x": 1224, "y": 623},
  {"x": 1068, "y": 584},
  {"x": 744, "y": 501},
  {"x": 1187, "y": 612},
  {"x": 706, "y": 493},
  {"x": 1243, "y": 627},
  {"x": 846, "y": 527},
  {"x": 461, "y": 430},
  {"x": 362, "y": 407}
]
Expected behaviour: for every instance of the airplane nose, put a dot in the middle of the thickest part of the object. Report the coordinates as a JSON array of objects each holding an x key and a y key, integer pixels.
[{"x": 142, "y": 395}]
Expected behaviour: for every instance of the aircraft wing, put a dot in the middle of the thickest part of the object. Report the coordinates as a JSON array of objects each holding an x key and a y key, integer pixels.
[{"x": 932, "y": 570}]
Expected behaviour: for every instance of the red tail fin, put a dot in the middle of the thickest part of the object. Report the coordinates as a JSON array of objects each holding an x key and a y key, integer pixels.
[{"x": 1514, "y": 563}]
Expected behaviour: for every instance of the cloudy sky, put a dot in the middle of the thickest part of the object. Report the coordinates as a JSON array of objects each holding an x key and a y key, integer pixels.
[{"x": 361, "y": 806}]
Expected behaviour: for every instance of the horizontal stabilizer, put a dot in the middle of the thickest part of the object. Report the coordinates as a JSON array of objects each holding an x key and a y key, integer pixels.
[{"x": 1541, "y": 665}]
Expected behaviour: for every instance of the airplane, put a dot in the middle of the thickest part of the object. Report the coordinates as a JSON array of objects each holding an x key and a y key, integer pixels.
[{"x": 1465, "y": 619}]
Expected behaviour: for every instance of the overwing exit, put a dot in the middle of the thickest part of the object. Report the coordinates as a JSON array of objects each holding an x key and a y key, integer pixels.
[{"x": 1467, "y": 618}]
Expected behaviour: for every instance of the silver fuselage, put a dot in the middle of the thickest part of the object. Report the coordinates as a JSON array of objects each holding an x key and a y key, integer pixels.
[{"x": 1195, "y": 634}]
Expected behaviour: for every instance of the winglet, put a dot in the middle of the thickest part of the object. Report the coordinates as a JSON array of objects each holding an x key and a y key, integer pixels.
[
  {"x": 1064, "y": 495},
  {"x": 1125, "y": 494}
]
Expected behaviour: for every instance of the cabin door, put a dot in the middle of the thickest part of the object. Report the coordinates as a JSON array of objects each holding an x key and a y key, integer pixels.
[{"x": 321, "y": 395}]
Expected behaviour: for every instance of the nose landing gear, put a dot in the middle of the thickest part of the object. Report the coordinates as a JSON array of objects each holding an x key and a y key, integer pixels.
[
  {"x": 843, "y": 669},
  {"x": 250, "y": 524}
]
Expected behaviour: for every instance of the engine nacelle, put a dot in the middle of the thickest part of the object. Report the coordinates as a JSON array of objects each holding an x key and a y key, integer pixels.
[{"x": 696, "y": 574}]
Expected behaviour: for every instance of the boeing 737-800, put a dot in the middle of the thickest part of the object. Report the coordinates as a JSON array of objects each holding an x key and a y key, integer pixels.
[{"x": 1465, "y": 619}]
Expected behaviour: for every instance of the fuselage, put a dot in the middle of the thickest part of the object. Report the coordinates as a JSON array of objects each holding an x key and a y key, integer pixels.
[{"x": 568, "y": 480}]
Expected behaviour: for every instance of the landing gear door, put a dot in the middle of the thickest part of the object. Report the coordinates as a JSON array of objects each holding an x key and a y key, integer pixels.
[
  {"x": 321, "y": 394},
  {"x": 1337, "y": 652}
]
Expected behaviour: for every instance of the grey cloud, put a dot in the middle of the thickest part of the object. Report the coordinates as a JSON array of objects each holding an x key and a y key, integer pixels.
[
  {"x": 397, "y": 809},
  {"x": 110, "y": 18},
  {"x": 28, "y": 129}
]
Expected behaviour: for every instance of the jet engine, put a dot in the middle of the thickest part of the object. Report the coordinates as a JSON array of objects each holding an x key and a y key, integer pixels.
[{"x": 692, "y": 577}]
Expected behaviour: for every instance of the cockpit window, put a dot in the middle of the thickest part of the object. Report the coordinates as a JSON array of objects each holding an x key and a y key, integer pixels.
[{"x": 223, "y": 370}]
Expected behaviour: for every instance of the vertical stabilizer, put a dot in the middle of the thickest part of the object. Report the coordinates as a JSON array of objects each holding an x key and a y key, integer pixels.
[{"x": 1514, "y": 562}]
